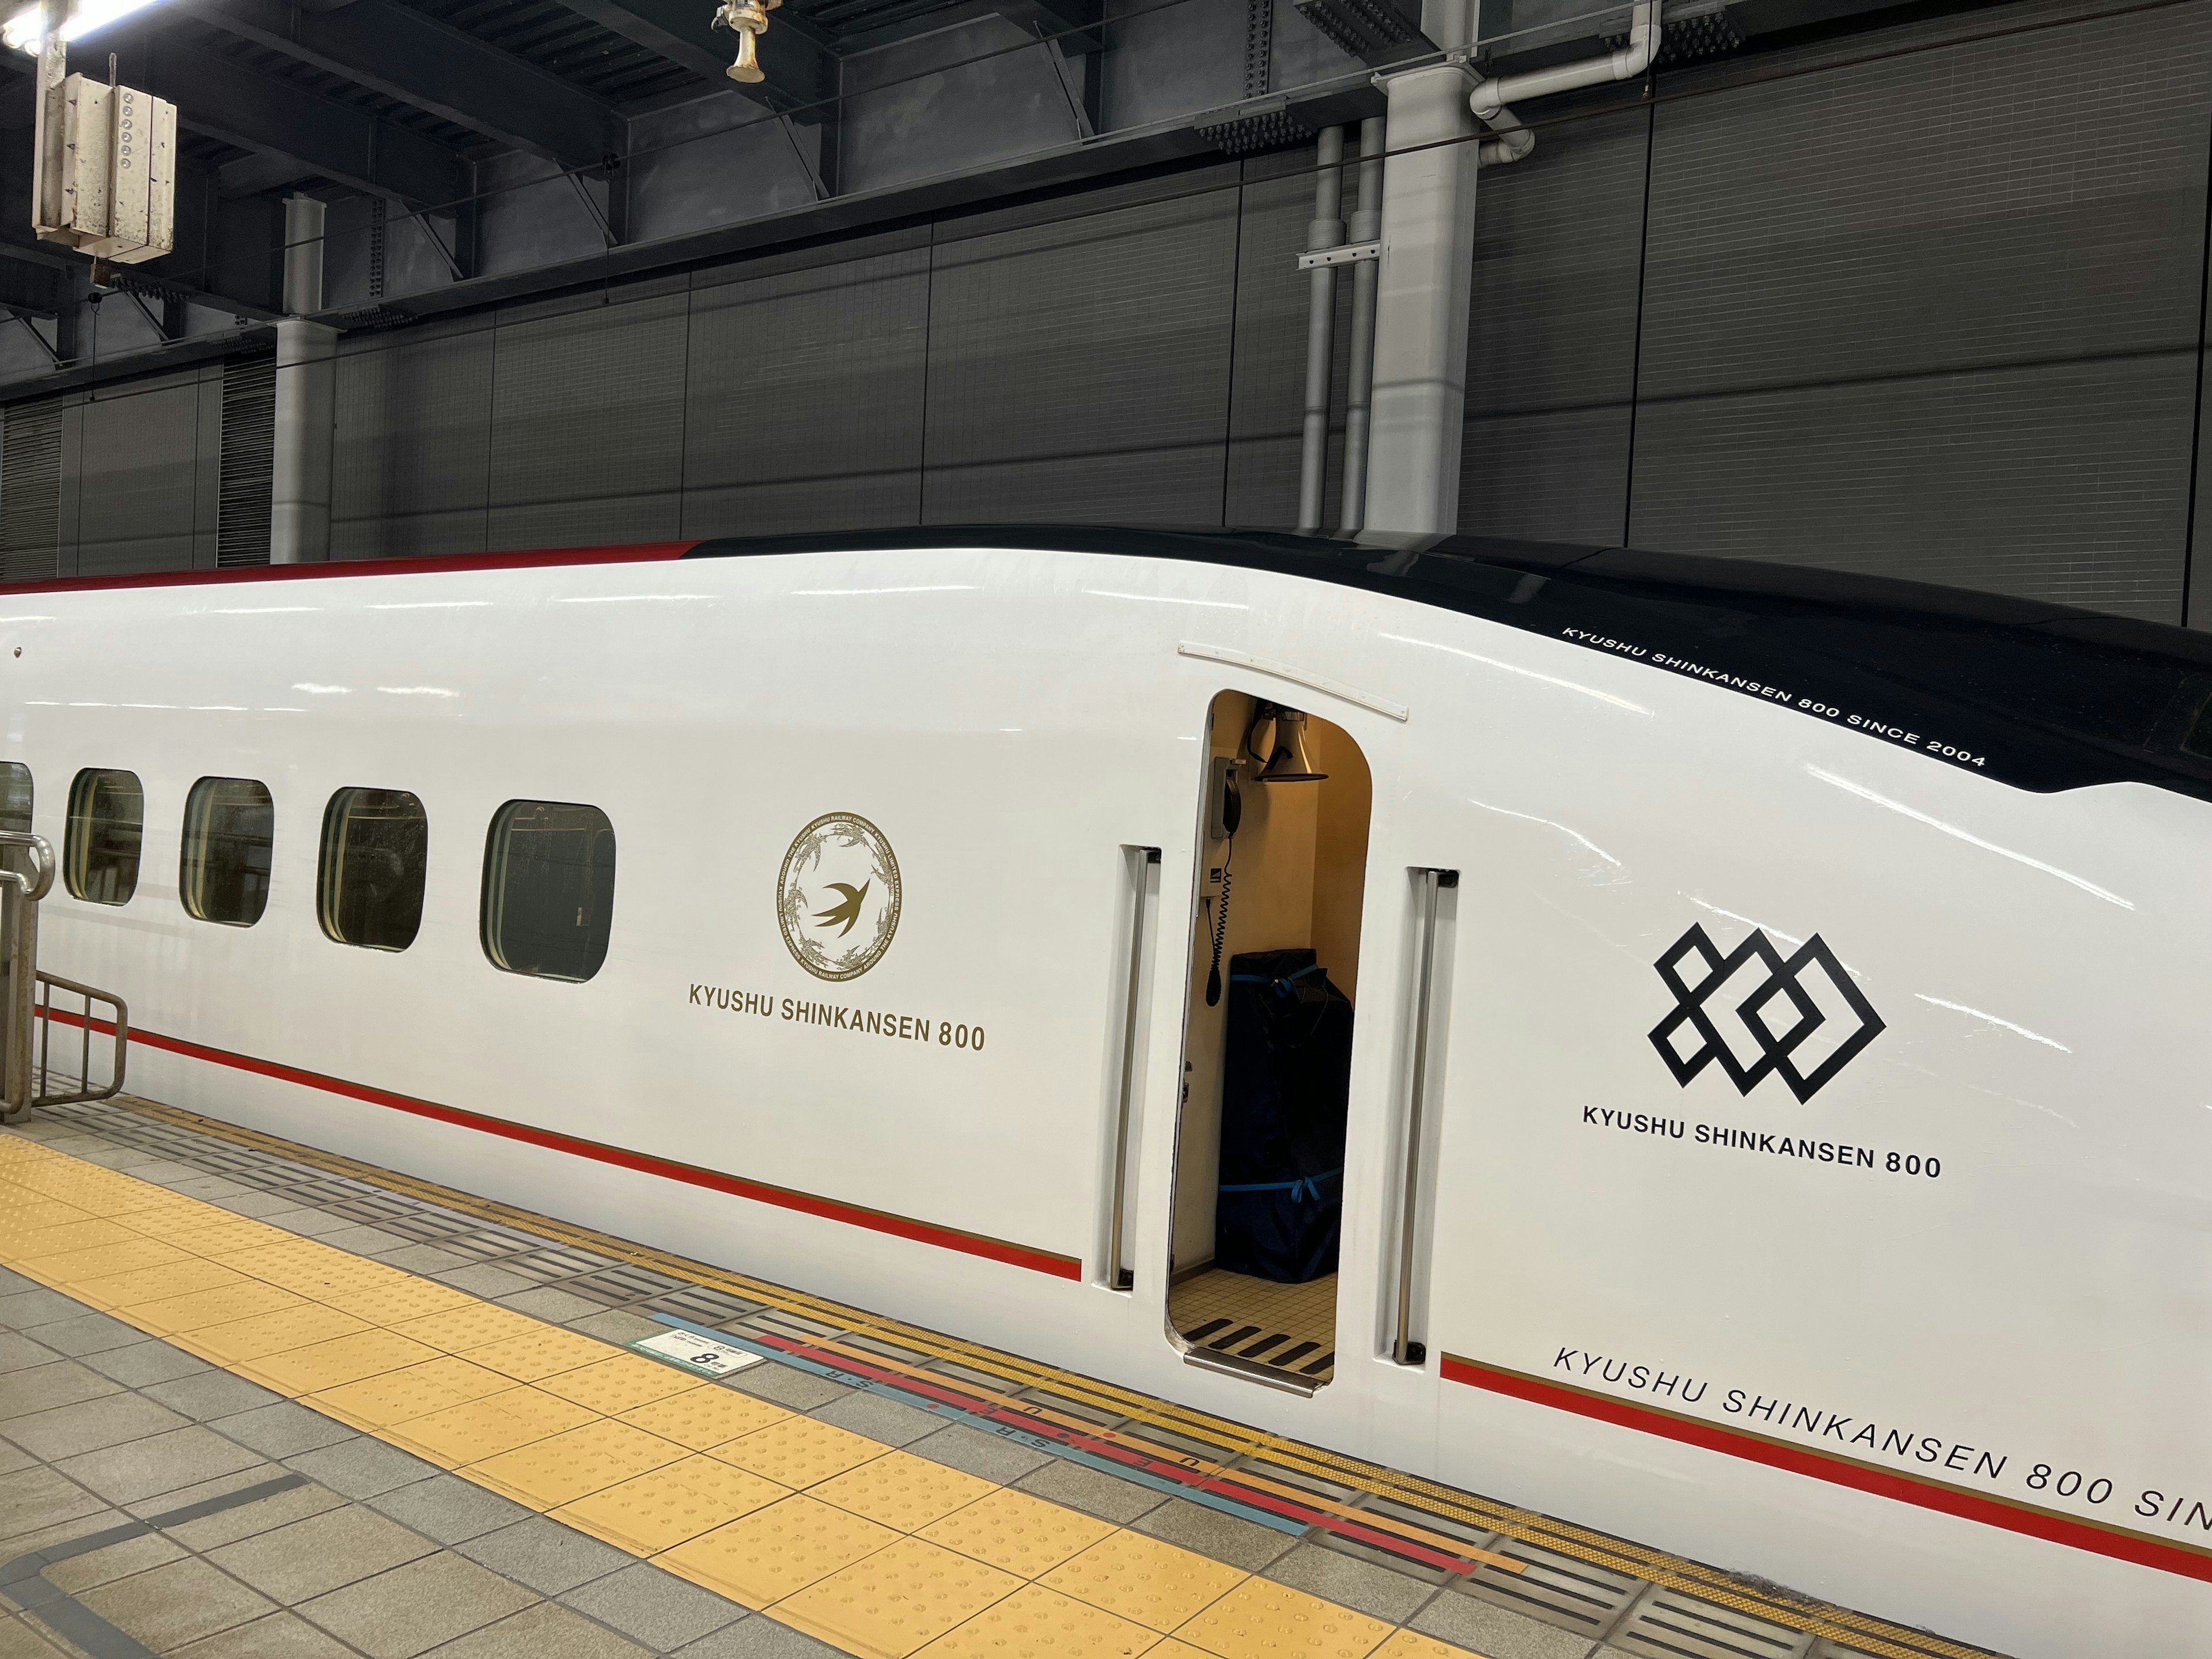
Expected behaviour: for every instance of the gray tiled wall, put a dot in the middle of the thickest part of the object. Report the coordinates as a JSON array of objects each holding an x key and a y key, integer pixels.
[{"x": 1926, "y": 302}]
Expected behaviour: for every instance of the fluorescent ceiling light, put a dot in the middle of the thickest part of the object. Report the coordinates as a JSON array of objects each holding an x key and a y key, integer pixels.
[{"x": 25, "y": 29}]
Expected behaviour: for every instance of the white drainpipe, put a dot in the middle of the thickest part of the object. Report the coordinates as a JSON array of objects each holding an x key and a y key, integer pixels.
[
  {"x": 1426, "y": 274},
  {"x": 1491, "y": 99}
]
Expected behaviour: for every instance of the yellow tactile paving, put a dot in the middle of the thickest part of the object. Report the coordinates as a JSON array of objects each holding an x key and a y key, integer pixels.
[
  {"x": 1141, "y": 1578},
  {"x": 74, "y": 1267},
  {"x": 760, "y": 1558},
  {"x": 550, "y": 1472},
  {"x": 1262, "y": 1619},
  {"x": 619, "y": 1384},
  {"x": 705, "y": 1416},
  {"x": 391, "y": 1397},
  {"x": 329, "y": 1364},
  {"x": 659, "y": 1510},
  {"x": 546, "y": 1351},
  {"x": 1018, "y": 1532},
  {"x": 459, "y": 1330},
  {"x": 798, "y": 1451},
  {"x": 462, "y": 1435},
  {"x": 1036, "y": 1623},
  {"x": 883, "y": 1553},
  {"x": 127, "y": 1289},
  {"x": 902, "y": 1491},
  {"x": 244, "y": 1341},
  {"x": 897, "y": 1600},
  {"x": 216, "y": 1307}
]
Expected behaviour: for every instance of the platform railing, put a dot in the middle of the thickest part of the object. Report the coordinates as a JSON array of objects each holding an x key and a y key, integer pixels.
[{"x": 28, "y": 1011}]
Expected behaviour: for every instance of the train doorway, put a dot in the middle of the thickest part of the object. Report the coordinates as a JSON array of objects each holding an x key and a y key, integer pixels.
[{"x": 1267, "y": 1035}]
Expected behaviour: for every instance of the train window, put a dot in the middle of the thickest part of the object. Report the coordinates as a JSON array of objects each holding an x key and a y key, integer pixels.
[
  {"x": 375, "y": 850},
  {"x": 230, "y": 829},
  {"x": 14, "y": 796},
  {"x": 548, "y": 889},
  {"x": 106, "y": 822}
]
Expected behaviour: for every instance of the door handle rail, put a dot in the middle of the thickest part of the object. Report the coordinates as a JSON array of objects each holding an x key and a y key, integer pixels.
[
  {"x": 1432, "y": 882},
  {"x": 1141, "y": 862}
]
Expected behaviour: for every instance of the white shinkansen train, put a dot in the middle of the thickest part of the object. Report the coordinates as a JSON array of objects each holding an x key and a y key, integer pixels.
[{"x": 1778, "y": 1124}]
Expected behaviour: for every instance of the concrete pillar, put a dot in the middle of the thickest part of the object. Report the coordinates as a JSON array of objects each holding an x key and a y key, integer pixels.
[
  {"x": 1422, "y": 288},
  {"x": 307, "y": 398}
]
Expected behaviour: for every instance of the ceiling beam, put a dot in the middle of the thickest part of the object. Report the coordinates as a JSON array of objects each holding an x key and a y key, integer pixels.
[
  {"x": 394, "y": 50},
  {"x": 801, "y": 73},
  {"x": 347, "y": 146}
]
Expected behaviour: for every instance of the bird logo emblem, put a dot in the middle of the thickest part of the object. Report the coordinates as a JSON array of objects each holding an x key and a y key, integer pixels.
[
  {"x": 838, "y": 897},
  {"x": 847, "y": 910}
]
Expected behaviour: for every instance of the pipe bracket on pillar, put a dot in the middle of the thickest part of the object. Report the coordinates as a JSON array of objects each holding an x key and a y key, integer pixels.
[{"x": 307, "y": 398}]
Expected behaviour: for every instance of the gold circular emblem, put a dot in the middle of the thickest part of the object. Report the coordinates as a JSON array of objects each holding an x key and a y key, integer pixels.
[{"x": 837, "y": 898}]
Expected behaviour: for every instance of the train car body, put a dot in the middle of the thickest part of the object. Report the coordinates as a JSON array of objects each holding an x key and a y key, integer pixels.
[{"x": 1813, "y": 1166}]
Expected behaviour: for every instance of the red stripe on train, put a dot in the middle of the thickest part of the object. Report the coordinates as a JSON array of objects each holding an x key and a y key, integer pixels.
[
  {"x": 2046, "y": 1524},
  {"x": 760, "y": 1192},
  {"x": 631, "y": 553}
]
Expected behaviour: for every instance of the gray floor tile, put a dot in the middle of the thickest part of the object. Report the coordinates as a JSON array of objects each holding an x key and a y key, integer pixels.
[
  {"x": 38, "y": 1498},
  {"x": 153, "y": 1167},
  {"x": 1497, "y": 1632},
  {"x": 210, "y": 1187},
  {"x": 759, "y": 1637},
  {"x": 80, "y": 1573},
  {"x": 615, "y": 1326},
  {"x": 448, "y": 1509},
  {"x": 1360, "y": 1585},
  {"x": 547, "y": 1555},
  {"x": 415, "y": 1258},
  {"x": 547, "y": 1630},
  {"x": 787, "y": 1385},
  {"x": 277, "y": 1636},
  {"x": 555, "y": 1307},
  {"x": 20, "y": 1639},
  {"x": 19, "y": 1354},
  {"x": 67, "y": 1532},
  {"x": 210, "y": 1394},
  {"x": 27, "y": 1310},
  {"x": 213, "y": 1531},
  {"x": 11, "y": 1280},
  {"x": 361, "y": 1467},
  {"x": 160, "y": 1464},
  {"x": 43, "y": 1388},
  {"x": 366, "y": 1241},
  {"x": 1245, "y": 1544},
  {"x": 309, "y": 1558},
  {"x": 255, "y": 1204},
  {"x": 1094, "y": 1492},
  {"x": 892, "y": 1421},
  {"x": 655, "y": 1607},
  {"x": 309, "y": 1223},
  {"x": 176, "y": 1604},
  {"x": 221, "y": 1485},
  {"x": 88, "y": 1425},
  {"x": 283, "y": 1430},
  {"x": 13, "y": 1458},
  {"x": 960, "y": 1447},
  {"x": 136, "y": 1363},
  {"x": 88, "y": 1333},
  {"x": 413, "y": 1608},
  {"x": 485, "y": 1280}
]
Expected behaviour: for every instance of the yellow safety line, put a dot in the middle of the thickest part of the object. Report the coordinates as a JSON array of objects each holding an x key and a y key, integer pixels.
[{"x": 1875, "y": 1636}]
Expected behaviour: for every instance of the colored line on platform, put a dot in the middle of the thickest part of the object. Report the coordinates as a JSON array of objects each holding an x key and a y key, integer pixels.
[{"x": 2052, "y": 1526}]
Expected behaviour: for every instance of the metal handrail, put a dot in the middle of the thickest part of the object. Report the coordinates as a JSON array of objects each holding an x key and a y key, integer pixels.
[
  {"x": 1404, "y": 1348},
  {"x": 119, "y": 1024}
]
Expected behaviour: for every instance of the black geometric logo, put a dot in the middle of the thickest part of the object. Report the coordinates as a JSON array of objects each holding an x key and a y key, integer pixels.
[{"x": 1780, "y": 1012}]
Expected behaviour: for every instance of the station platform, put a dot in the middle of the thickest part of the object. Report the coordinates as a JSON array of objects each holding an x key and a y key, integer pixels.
[{"x": 261, "y": 1402}]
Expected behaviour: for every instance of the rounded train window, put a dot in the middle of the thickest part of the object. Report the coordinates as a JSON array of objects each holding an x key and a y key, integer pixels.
[
  {"x": 548, "y": 889},
  {"x": 14, "y": 796},
  {"x": 106, "y": 824},
  {"x": 368, "y": 887},
  {"x": 230, "y": 834}
]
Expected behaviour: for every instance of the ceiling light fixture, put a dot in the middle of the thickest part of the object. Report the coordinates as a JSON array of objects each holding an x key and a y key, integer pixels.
[{"x": 26, "y": 29}]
